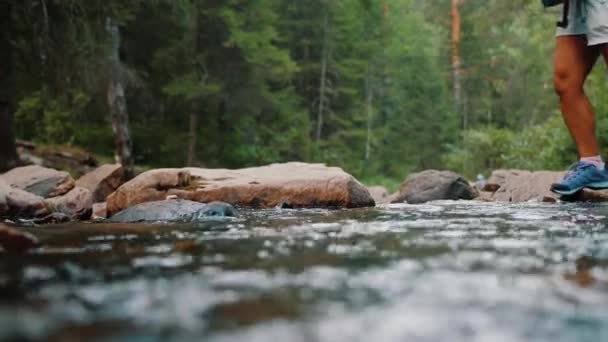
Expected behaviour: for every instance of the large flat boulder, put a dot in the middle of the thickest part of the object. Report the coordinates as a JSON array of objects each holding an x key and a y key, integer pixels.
[
  {"x": 16, "y": 203},
  {"x": 39, "y": 180},
  {"x": 522, "y": 186},
  {"x": 102, "y": 181},
  {"x": 433, "y": 185},
  {"x": 297, "y": 185}
]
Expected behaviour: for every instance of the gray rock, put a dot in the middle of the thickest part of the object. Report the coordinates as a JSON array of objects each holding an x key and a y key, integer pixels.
[
  {"x": 174, "y": 211},
  {"x": 433, "y": 185},
  {"x": 39, "y": 180},
  {"x": 16, "y": 203}
]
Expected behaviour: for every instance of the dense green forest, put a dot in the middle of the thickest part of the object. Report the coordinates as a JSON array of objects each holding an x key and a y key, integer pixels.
[{"x": 381, "y": 88}]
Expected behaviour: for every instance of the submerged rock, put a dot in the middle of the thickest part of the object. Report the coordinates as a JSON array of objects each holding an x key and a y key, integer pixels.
[
  {"x": 39, "y": 180},
  {"x": 14, "y": 240},
  {"x": 174, "y": 211},
  {"x": 295, "y": 185},
  {"x": 102, "y": 181},
  {"x": 433, "y": 185}
]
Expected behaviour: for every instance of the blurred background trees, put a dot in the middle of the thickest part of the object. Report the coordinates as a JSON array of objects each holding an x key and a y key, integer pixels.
[{"x": 368, "y": 85}]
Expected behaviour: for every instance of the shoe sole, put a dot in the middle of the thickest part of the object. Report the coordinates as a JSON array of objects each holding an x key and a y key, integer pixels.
[{"x": 593, "y": 186}]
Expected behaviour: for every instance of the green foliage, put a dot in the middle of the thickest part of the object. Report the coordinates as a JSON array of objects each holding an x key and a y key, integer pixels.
[
  {"x": 251, "y": 73},
  {"x": 544, "y": 146}
]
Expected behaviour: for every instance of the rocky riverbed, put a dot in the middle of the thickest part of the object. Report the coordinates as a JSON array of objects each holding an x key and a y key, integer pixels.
[
  {"x": 298, "y": 252},
  {"x": 441, "y": 271}
]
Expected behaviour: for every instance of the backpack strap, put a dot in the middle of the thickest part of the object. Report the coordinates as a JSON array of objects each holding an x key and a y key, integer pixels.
[{"x": 564, "y": 22}]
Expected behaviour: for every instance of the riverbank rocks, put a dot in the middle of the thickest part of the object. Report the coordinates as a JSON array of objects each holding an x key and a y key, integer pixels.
[
  {"x": 39, "y": 180},
  {"x": 76, "y": 204},
  {"x": 522, "y": 186},
  {"x": 380, "y": 194},
  {"x": 16, "y": 203},
  {"x": 15, "y": 240},
  {"x": 294, "y": 185},
  {"x": 432, "y": 185},
  {"x": 102, "y": 181},
  {"x": 174, "y": 211},
  {"x": 100, "y": 211}
]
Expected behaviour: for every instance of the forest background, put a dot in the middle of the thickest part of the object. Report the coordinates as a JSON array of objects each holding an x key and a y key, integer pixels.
[{"x": 381, "y": 88}]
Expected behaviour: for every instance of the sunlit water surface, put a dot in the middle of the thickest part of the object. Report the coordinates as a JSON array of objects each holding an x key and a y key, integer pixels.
[{"x": 445, "y": 271}]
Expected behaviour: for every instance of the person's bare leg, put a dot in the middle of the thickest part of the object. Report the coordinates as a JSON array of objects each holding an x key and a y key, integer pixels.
[{"x": 573, "y": 61}]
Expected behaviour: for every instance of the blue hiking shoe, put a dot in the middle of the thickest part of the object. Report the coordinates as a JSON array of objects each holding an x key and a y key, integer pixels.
[{"x": 581, "y": 175}]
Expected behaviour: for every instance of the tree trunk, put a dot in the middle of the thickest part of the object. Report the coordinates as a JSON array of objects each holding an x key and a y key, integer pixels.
[
  {"x": 457, "y": 62},
  {"x": 370, "y": 112},
  {"x": 323, "y": 83},
  {"x": 8, "y": 151},
  {"x": 118, "y": 104}
]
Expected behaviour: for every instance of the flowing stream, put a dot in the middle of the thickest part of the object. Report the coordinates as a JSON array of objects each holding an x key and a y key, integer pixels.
[{"x": 444, "y": 271}]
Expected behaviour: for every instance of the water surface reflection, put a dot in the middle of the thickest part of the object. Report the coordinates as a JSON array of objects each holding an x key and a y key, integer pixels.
[{"x": 445, "y": 271}]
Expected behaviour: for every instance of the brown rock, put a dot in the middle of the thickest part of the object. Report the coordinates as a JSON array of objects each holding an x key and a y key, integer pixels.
[
  {"x": 100, "y": 211},
  {"x": 77, "y": 204},
  {"x": 289, "y": 184},
  {"x": 14, "y": 240},
  {"x": 432, "y": 185},
  {"x": 523, "y": 186},
  {"x": 588, "y": 195},
  {"x": 18, "y": 203},
  {"x": 490, "y": 187},
  {"x": 153, "y": 185},
  {"x": 379, "y": 194},
  {"x": 485, "y": 196},
  {"x": 102, "y": 181},
  {"x": 39, "y": 180}
]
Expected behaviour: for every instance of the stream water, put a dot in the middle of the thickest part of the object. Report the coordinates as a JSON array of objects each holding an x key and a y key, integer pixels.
[{"x": 445, "y": 271}]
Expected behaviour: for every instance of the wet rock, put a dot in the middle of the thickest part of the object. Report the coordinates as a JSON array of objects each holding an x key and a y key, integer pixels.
[
  {"x": 39, "y": 180},
  {"x": 14, "y": 240},
  {"x": 432, "y": 185},
  {"x": 379, "y": 194},
  {"x": 102, "y": 181},
  {"x": 485, "y": 196},
  {"x": 523, "y": 186},
  {"x": 587, "y": 195},
  {"x": 77, "y": 204},
  {"x": 295, "y": 185},
  {"x": 100, "y": 211},
  {"x": 18, "y": 203},
  {"x": 51, "y": 218},
  {"x": 153, "y": 185},
  {"x": 174, "y": 211}
]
